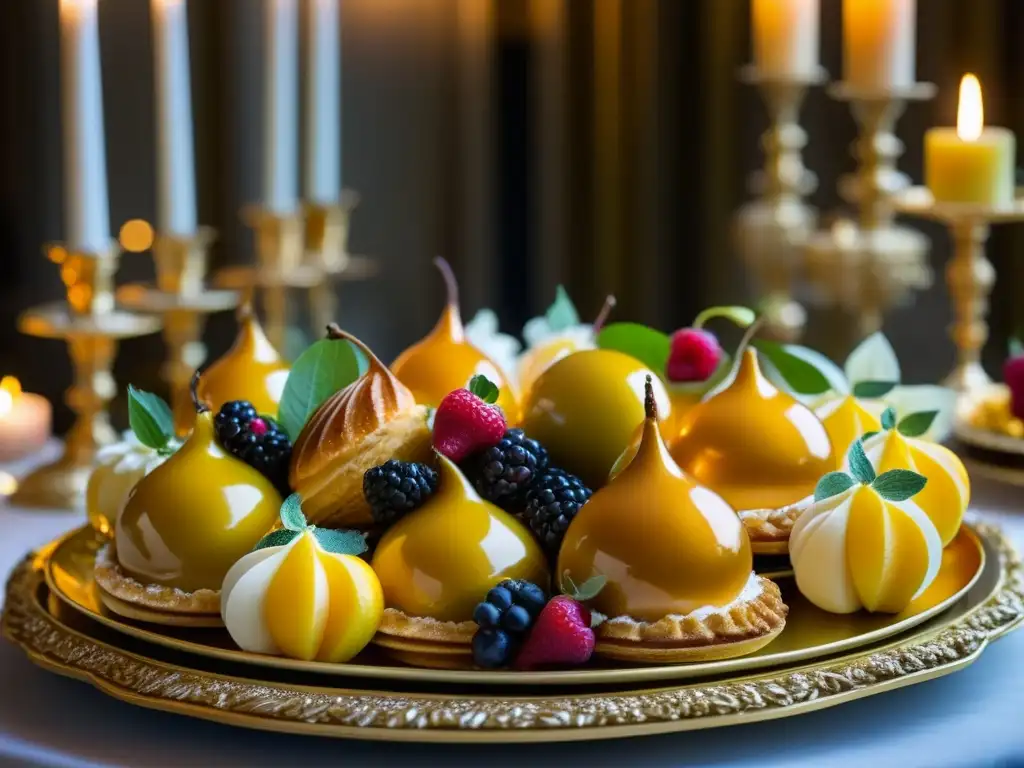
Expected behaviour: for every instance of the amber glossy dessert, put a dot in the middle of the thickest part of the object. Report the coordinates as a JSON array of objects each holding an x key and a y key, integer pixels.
[
  {"x": 679, "y": 568},
  {"x": 373, "y": 419},
  {"x": 445, "y": 360},
  {"x": 759, "y": 449},
  {"x": 436, "y": 563}
]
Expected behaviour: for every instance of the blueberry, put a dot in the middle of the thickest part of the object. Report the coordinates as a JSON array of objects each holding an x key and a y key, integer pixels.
[
  {"x": 491, "y": 648},
  {"x": 532, "y": 598},
  {"x": 512, "y": 585},
  {"x": 486, "y": 615},
  {"x": 516, "y": 619},
  {"x": 500, "y": 598}
]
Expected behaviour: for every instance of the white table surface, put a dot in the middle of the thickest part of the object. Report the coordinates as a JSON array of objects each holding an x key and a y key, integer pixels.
[{"x": 971, "y": 718}]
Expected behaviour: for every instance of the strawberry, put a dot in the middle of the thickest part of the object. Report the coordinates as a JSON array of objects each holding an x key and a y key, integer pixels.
[
  {"x": 467, "y": 421},
  {"x": 1013, "y": 375},
  {"x": 563, "y": 633},
  {"x": 694, "y": 355}
]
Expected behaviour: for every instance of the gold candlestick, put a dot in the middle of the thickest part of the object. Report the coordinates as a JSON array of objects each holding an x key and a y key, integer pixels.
[
  {"x": 970, "y": 276},
  {"x": 869, "y": 264},
  {"x": 91, "y": 327},
  {"x": 182, "y": 298},
  {"x": 770, "y": 231}
]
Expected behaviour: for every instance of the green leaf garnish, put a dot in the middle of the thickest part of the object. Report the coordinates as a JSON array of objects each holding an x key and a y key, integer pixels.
[
  {"x": 341, "y": 542},
  {"x": 869, "y": 390},
  {"x": 278, "y": 538},
  {"x": 328, "y": 366},
  {"x": 889, "y": 418},
  {"x": 803, "y": 377},
  {"x": 484, "y": 388},
  {"x": 588, "y": 590},
  {"x": 150, "y": 418},
  {"x": 898, "y": 484},
  {"x": 916, "y": 424},
  {"x": 741, "y": 316},
  {"x": 291, "y": 514},
  {"x": 833, "y": 484},
  {"x": 868, "y": 435},
  {"x": 860, "y": 464},
  {"x": 562, "y": 313},
  {"x": 1016, "y": 348},
  {"x": 647, "y": 345}
]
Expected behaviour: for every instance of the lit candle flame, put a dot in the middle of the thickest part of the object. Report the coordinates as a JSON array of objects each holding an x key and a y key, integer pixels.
[
  {"x": 10, "y": 388},
  {"x": 970, "y": 116}
]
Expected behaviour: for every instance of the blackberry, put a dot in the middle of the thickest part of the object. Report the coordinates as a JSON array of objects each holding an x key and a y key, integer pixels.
[
  {"x": 232, "y": 424},
  {"x": 503, "y": 473},
  {"x": 551, "y": 503},
  {"x": 257, "y": 441},
  {"x": 395, "y": 488},
  {"x": 505, "y": 617}
]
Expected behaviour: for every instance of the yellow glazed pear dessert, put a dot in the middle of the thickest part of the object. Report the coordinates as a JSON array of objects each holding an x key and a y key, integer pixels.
[
  {"x": 373, "y": 419},
  {"x": 436, "y": 563},
  {"x": 679, "y": 569},
  {"x": 445, "y": 360},
  {"x": 898, "y": 446},
  {"x": 586, "y": 408},
  {"x": 759, "y": 449},
  {"x": 304, "y": 593},
  {"x": 846, "y": 419},
  {"x": 185, "y": 524},
  {"x": 866, "y": 542}
]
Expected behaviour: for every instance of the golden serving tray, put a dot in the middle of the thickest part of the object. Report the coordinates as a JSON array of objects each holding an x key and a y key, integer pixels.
[
  {"x": 810, "y": 632},
  {"x": 65, "y": 641}
]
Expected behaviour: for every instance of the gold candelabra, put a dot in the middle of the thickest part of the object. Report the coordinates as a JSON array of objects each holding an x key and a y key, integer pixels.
[
  {"x": 970, "y": 276},
  {"x": 183, "y": 299},
  {"x": 91, "y": 326},
  {"x": 868, "y": 264},
  {"x": 771, "y": 230}
]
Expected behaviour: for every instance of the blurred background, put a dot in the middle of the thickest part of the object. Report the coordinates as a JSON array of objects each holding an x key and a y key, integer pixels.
[{"x": 602, "y": 144}]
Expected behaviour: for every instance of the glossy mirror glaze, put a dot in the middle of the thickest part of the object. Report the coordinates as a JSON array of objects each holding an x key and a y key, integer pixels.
[
  {"x": 187, "y": 522},
  {"x": 440, "y": 560},
  {"x": 845, "y": 420},
  {"x": 757, "y": 447}
]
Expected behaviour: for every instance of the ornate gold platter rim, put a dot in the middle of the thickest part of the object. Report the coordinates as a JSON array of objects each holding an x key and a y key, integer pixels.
[
  {"x": 425, "y": 717},
  {"x": 72, "y": 547}
]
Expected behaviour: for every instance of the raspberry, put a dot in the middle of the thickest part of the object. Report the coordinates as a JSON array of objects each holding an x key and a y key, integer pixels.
[
  {"x": 694, "y": 356},
  {"x": 465, "y": 424}
]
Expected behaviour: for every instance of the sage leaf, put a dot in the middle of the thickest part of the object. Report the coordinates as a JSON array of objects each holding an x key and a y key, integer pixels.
[
  {"x": 150, "y": 418},
  {"x": 341, "y": 542},
  {"x": 870, "y": 390},
  {"x": 898, "y": 484},
  {"x": 889, "y": 418},
  {"x": 860, "y": 464},
  {"x": 291, "y": 514},
  {"x": 278, "y": 538},
  {"x": 833, "y": 484},
  {"x": 562, "y": 313},
  {"x": 916, "y": 424}
]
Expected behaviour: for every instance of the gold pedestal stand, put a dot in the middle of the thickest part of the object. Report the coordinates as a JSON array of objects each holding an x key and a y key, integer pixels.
[
  {"x": 183, "y": 299},
  {"x": 92, "y": 327},
  {"x": 969, "y": 275},
  {"x": 770, "y": 231},
  {"x": 867, "y": 265}
]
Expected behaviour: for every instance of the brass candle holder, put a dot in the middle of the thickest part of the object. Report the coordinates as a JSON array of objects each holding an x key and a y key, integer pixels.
[
  {"x": 770, "y": 231},
  {"x": 183, "y": 299},
  {"x": 91, "y": 327},
  {"x": 970, "y": 276},
  {"x": 869, "y": 264}
]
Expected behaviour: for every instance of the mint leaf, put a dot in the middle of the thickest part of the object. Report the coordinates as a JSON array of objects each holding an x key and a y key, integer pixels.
[
  {"x": 328, "y": 366},
  {"x": 647, "y": 345},
  {"x": 873, "y": 389},
  {"x": 150, "y": 418},
  {"x": 276, "y": 539},
  {"x": 562, "y": 313},
  {"x": 588, "y": 589},
  {"x": 860, "y": 464},
  {"x": 833, "y": 484},
  {"x": 741, "y": 316},
  {"x": 291, "y": 514},
  {"x": 341, "y": 542},
  {"x": 484, "y": 388},
  {"x": 802, "y": 376},
  {"x": 889, "y": 418},
  {"x": 868, "y": 435},
  {"x": 1016, "y": 348},
  {"x": 916, "y": 424},
  {"x": 898, "y": 484}
]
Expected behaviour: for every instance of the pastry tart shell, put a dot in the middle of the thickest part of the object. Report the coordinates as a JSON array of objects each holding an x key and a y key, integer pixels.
[
  {"x": 738, "y": 630},
  {"x": 769, "y": 529},
  {"x": 425, "y": 642},
  {"x": 115, "y": 583}
]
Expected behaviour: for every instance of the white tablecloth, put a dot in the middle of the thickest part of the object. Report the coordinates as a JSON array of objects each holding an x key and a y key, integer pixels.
[{"x": 971, "y": 718}]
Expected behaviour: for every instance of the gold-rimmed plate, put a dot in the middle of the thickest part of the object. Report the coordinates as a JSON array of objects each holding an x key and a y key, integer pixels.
[{"x": 810, "y": 633}]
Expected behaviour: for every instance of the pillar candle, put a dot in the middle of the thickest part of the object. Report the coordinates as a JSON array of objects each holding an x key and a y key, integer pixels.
[
  {"x": 878, "y": 44},
  {"x": 785, "y": 34},
  {"x": 281, "y": 105},
  {"x": 323, "y": 103},
  {"x": 86, "y": 209},
  {"x": 176, "y": 185},
  {"x": 970, "y": 163},
  {"x": 25, "y": 421}
]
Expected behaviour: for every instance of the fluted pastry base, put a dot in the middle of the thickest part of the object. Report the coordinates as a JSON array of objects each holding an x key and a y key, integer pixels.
[
  {"x": 421, "y": 641},
  {"x": 769, "y": 529}
]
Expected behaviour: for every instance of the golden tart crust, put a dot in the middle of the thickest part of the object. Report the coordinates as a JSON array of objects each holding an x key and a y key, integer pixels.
[
  {"x": 399, "y": 624},
  {"x": 421, "y": 641},
  {"x": 734, "y": 630},
  {"x": 773, "y": 525},
  {"x": 112, "y": 579}
]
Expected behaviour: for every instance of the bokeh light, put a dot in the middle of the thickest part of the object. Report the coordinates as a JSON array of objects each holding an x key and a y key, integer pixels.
[{"x": 136, "y": 236}]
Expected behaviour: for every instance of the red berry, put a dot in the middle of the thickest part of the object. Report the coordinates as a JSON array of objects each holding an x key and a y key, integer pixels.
[
  {"x": 694, "y": 356},
  {"x": 465, "y": 424},
  {"x": 1013, "y": 375},
  {"x": 258, "y": 426},
  {"x": 561, "y": 635}
]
